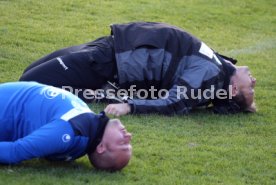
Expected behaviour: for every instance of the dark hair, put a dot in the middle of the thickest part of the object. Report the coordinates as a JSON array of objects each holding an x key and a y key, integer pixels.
[
  {"x": 241, "y": 101},
  {"x": 231, "y": 106},
  {"x": 228, "y": 107}
]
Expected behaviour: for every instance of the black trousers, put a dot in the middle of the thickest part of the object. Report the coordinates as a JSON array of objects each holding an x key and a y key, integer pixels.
[{"x": 86, "y": 66}]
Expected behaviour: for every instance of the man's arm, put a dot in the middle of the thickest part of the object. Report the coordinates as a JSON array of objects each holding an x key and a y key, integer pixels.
[
  {"x": 174, "y": 104},
  {"x": 54, "y": 137},
  {"x": 181, "y": 98},
  {"x": 178, "y": 101}
]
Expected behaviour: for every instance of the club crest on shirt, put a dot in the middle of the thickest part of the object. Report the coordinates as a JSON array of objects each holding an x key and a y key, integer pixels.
[
  {"x": 50, "y": 92},
  {"x": 66, "y": 138}
]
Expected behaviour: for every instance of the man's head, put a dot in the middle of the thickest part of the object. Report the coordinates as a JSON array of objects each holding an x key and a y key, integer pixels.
[
  {"x": 114, "y": 151},
  {"x": 243, "y": 84}
]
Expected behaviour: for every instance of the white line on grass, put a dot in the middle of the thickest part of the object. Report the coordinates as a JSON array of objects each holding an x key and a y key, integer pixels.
[{"x": 259, "y": 47}]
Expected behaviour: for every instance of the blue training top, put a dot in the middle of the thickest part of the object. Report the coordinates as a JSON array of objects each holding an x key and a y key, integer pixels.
[{"x": 38, "y": 121}]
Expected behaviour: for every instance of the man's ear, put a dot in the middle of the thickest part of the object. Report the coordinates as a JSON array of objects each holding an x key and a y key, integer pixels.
[
  {"x": 235, "y": 89},
  {"x": 100, "y": 148}
]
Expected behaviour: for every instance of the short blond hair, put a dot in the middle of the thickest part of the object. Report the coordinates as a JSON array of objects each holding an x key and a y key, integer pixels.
[{"x": 106, "y": 161}]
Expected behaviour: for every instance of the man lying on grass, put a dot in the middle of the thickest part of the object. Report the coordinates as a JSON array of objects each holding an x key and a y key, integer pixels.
[
  {"x": 172, "y": 71},
  {"x": 43, "y": 121}
]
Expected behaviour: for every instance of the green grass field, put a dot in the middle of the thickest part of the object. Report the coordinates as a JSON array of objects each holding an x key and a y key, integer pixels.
[{"x": 201, "y": 148}]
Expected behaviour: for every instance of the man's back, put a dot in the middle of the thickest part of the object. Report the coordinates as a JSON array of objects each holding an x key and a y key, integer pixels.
[
  {"x": 35, "y": 122},
  {"x": 29, "y": 105}
]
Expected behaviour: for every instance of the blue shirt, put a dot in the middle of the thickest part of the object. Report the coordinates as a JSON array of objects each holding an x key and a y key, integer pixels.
[{"x": 35, "y": 122}]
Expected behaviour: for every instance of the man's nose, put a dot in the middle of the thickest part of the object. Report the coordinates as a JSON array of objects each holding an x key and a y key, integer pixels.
[
  {"x": 254, "y": 81},
  {"x": 128, "y": 136}
]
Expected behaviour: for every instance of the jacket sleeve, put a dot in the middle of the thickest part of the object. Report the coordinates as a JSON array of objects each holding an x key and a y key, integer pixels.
[
  {"x": 184, "y": 95},
  {"x": 52, "y": 138}
]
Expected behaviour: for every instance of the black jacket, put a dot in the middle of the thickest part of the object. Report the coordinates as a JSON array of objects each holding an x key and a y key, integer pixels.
[{"x": 167, "y": 57}]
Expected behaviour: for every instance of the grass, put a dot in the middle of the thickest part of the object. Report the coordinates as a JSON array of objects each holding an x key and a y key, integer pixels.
[{"x": 201, "y": 148}]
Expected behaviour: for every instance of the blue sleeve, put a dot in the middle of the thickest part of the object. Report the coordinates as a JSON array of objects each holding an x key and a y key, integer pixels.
[{"x": 53, "y": 138}]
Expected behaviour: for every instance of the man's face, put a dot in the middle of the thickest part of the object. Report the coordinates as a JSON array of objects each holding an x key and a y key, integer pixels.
[
  {"x": 117, "y": 140},
  {"x": 246, "y": 84}
]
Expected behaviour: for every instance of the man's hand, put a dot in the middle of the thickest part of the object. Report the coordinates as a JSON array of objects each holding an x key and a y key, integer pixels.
[{"x": 117, "y": 109}]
